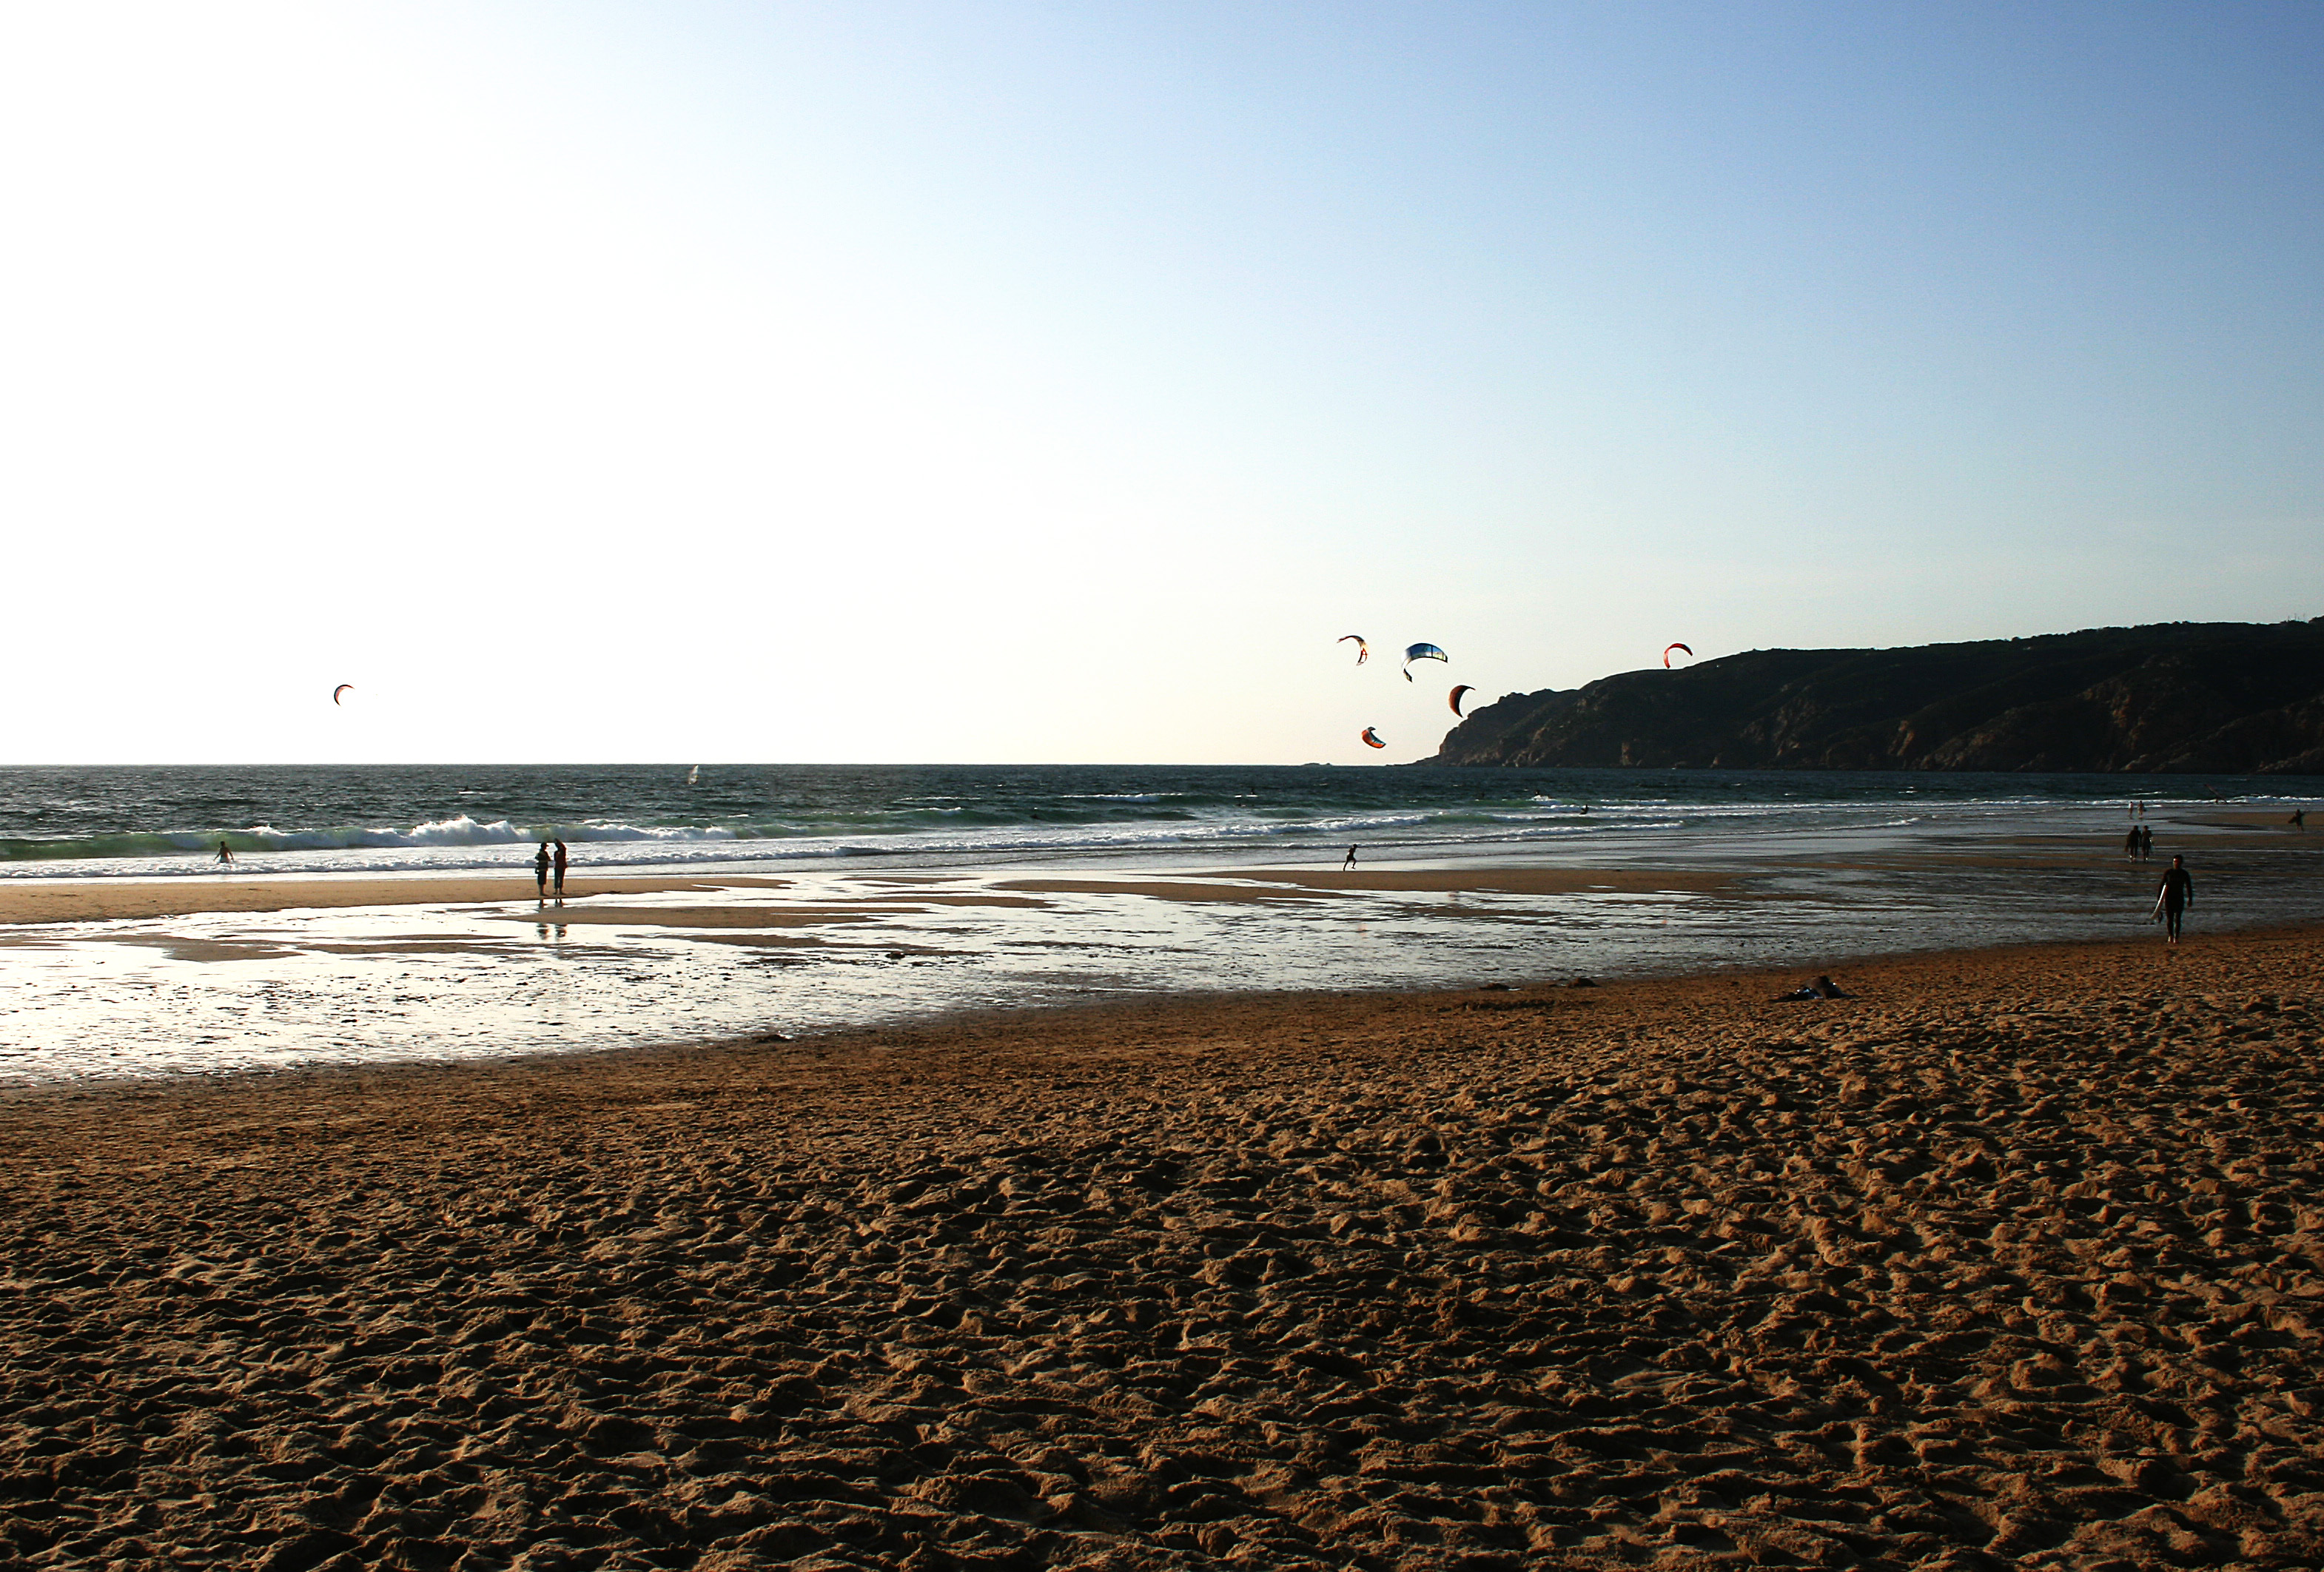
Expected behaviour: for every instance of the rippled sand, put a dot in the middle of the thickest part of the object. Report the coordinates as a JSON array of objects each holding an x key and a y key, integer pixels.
[{"x": 2012, "y": 1259}]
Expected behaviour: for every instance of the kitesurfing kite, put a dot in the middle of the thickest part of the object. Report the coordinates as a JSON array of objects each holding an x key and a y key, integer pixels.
[
  {"x": 1363, "y": 650},
  {"x": 342, "y": 688},
  {"x": 1689, "y": 653},
  {"x": 1423, "y": 652},
  {"x": 1371, "y": 739},
  {"x": 1457, "y": 692}
]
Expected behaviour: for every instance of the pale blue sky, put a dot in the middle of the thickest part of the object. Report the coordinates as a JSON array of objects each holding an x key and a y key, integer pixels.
[{"x": 1058, "y": 382}]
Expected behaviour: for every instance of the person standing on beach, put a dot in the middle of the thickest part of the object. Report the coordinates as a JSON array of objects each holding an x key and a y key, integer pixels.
[
  {"x": 1350, "y": 861},
  {"x": 540, "y": 871},
  {"x": 2299, "y": 819},
  {"x": 2145, "y": 843},
  {"x": 557, "y": 865},
  {"x": 2172, "y": 900},
  {"x": 2130, "y": 843}
]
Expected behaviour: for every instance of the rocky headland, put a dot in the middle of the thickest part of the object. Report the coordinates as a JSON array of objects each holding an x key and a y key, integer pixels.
[{"x": 2178, "y": 698}]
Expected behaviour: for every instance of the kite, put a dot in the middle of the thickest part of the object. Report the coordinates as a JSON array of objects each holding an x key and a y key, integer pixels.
[
  {"x": 1690, "y": 655},
  {"x": 1363, "y": 650},
  {"x": 1457, "y": 692},
  {"x": 1371, "y": 739},
  {"x": 1423, "y": 652},
  {"x": 342, "y": 688}
]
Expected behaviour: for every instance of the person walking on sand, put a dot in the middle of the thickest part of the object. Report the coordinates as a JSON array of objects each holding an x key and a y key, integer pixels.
[
  {"x": 2130, "y": 843},
  {"x": 2299, "y": 820},
  {"x": 2145, "y": 844},
  {"x": 1350, "y": 862},
  {"x": 557, "y": 866},
  {"x": 540, "y": 871},
  {"x": 2172, "y": 900}
]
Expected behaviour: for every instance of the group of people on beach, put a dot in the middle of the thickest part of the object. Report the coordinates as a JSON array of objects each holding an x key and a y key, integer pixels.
[
  {"x": 546, "y": 863},
  {"x": 2139, "y": 845}
]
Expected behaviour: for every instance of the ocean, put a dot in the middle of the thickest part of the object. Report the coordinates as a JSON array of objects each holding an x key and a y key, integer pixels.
[
  {"x": 799, "y": 899},
  {"x": 435, "y": 819}
]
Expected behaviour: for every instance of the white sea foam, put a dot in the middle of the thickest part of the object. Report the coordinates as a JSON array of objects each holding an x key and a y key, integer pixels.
[{"x": 460, "y": 831}]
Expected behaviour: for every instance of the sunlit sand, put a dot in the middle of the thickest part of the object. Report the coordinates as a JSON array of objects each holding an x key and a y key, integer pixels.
[{"x": 2007, "y": 1254}]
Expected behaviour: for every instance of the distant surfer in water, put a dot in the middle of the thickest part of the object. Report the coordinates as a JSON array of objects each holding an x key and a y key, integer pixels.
[
  {"x": 226, "y": 853},
  {"x": 2172, "y": 900},
  {"x": 557, "y": 865},
  {"x": 540, "y": 870}
]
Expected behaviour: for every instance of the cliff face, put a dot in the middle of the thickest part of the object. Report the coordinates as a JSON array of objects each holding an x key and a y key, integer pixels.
[{"x": 2210, "y": 697}]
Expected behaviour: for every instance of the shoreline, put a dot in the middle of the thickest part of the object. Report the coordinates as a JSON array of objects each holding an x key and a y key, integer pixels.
[
  {"x": 1175, "y": 1011},
  {"x": 2012, "y": 1257},
  {"x": 131, "y": 981},
  {"x": 32, "y": 901}
]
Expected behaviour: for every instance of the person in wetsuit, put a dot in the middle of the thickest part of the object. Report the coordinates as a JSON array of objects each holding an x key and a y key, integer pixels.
[{"x": 2177, "y": 894}]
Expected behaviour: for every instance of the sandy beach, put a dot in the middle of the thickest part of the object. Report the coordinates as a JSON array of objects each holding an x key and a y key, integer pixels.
[
  {"x": 2010, "y": 1260},
  {"x": 31, "y": 901}
]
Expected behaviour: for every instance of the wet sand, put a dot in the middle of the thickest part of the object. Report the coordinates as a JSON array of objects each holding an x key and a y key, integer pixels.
[
  {"x": 112, "y": 900},
  {"x": 1481, "y": 880},
  {"x": 2012, "y": 1259},
  {"x": 29, "y": 901}
]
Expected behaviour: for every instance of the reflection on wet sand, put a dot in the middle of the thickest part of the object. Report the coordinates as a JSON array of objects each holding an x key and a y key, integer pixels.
[{"x": 298, "y": 973}]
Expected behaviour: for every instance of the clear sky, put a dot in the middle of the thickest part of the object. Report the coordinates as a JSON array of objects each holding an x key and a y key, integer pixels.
[{"x": 865, "y": 382}]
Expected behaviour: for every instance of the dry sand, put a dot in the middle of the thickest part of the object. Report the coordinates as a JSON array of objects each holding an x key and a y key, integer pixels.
[{"x": 2011, "y": 1261}]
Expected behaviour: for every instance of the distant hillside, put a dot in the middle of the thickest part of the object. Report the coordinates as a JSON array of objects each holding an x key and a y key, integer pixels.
[{"x": 2209, "y": 698}]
